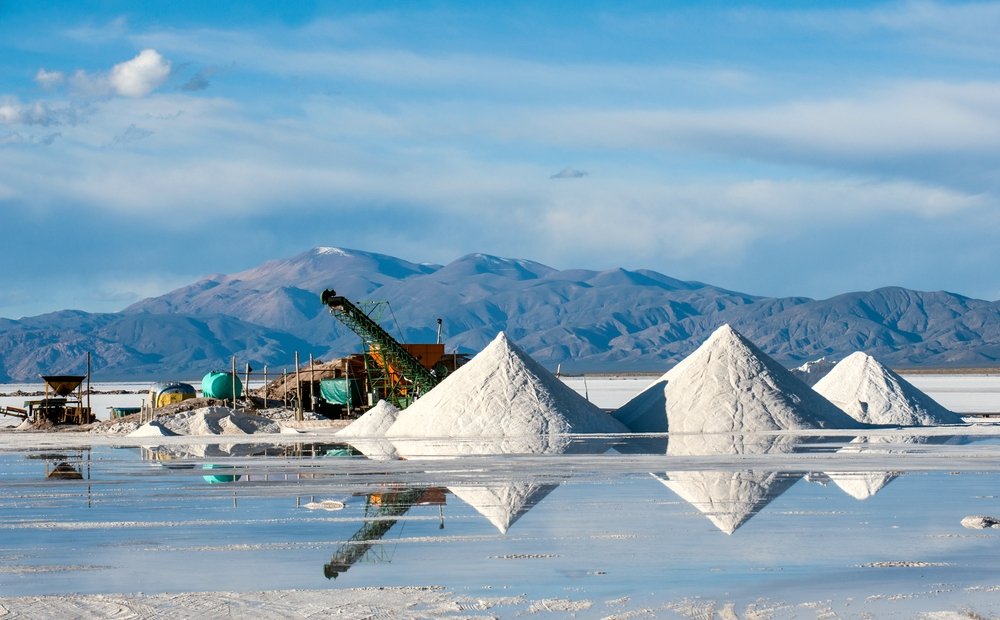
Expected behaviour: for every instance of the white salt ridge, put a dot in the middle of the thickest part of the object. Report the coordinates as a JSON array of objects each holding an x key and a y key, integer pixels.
[
  {"x": 501, "y": 392},
  {"x": 729, "y": 385},
  {"x": 208, "y": 421},
  {"x": 873, "y": 394}
]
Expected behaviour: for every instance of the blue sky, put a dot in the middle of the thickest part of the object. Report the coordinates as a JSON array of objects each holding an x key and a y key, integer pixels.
[{"x": 785, "y": 148}]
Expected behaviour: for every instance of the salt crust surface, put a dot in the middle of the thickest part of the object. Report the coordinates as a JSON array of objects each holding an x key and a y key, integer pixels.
[
  {"x": 501, "y": 392},
  {"x": 871, "y": 393},
  {"x": 729, "y": 385}
]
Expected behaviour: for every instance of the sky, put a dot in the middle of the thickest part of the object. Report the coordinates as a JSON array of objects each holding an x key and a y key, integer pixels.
[{"x": 780, "y": 148}]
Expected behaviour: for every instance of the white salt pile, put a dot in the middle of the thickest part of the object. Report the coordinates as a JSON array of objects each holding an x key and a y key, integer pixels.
[
  {"x": 209, "y": 421},
  {"x": 374, "y": 423},
  {"x": 811, "y": 372},
  {"x": 152, "y": 429},
  {"x": 501, "y": 392},
  {"x": 367, "y": 433},
  {"x": 503, "y": 505},
  {"x": 729, "y": 385},
  {"x": 871, "y": 393}
]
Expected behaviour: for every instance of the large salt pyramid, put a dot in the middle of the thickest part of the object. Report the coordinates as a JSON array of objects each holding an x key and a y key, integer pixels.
[
  {"x": 501, "y": 392},
  {"x": 871, "y": 393},
  {"x": 729, "y": 385}
]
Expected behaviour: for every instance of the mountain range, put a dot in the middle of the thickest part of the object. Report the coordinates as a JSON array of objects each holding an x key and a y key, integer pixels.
[{"x": 581, "y": 320}]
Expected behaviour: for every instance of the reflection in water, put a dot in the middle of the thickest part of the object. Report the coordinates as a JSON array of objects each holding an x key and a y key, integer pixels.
[
  {"x": 382, "y": 510},
  {"x": 729, "y": 498},
  {"x": 503, "y": 505},
  {"x": 862, "y": 485},
  {"x": 503, "y": 499}
]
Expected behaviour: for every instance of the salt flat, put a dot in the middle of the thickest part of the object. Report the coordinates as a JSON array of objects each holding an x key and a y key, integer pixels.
[{"x": 143, "y": 532}]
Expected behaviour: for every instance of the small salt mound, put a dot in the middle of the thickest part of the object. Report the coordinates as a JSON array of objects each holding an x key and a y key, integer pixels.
[
  {"x": 152, "y": 429},
  {"x": 871, "y": 393},
  {"x": 503, "y": 505},
  {"x": 367, "y": 433},
  {"x": 729, "y": 385},
  {"x": 811, "y": 372},
  {"x": 501, "y": 392},
  {"x": 374, "y": 423}
]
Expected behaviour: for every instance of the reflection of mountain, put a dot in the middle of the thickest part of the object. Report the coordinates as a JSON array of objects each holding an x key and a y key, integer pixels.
[{"x": 728, "y": 498}]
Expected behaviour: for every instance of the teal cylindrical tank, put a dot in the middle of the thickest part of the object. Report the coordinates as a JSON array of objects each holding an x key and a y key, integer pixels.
[{"x": 218, "y": 384}]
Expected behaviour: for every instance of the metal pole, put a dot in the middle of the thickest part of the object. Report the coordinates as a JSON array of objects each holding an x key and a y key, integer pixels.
[
  {"x": 265, "y": 386},
  {"x": 439, "y": 332}
]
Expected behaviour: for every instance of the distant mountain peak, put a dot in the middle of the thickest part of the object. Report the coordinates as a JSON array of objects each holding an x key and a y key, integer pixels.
[{"x": 328, "y": 251}]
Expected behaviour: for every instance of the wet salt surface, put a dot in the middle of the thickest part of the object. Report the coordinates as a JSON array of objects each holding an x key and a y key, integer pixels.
[{"x": 593, "y": 527}]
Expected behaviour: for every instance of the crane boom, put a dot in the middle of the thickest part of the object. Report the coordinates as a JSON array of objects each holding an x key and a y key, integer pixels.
[
  {"x": 380, "y": 342},
  {"x": 391, "y": 507}
]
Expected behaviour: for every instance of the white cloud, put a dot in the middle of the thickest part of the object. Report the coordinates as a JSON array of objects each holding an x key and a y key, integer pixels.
[
  {"x": 49, "y": 79},
  {"x": 141, "y": 75}
]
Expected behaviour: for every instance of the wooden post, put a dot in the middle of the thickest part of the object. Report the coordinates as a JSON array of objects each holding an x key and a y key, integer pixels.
[
  {"x": 235, "y": 378},
  {"x": 312, "y": 385},
  {"x": 246, "y": 386},
  {"x": 89, "y": 411},
  {"x": 298, "y": 390}
]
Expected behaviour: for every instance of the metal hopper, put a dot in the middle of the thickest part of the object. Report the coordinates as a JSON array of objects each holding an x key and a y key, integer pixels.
[{"x": 63, "y": 385}]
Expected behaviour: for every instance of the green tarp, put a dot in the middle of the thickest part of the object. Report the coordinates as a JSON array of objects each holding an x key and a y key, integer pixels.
[{"x": 341, "y": 391}]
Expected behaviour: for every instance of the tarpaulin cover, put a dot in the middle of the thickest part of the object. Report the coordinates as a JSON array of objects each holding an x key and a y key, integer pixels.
[{"x": 341, "y": 391}]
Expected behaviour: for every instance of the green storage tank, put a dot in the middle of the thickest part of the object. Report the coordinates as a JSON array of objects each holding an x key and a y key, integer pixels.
[{"x": 217, "y": 384}]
